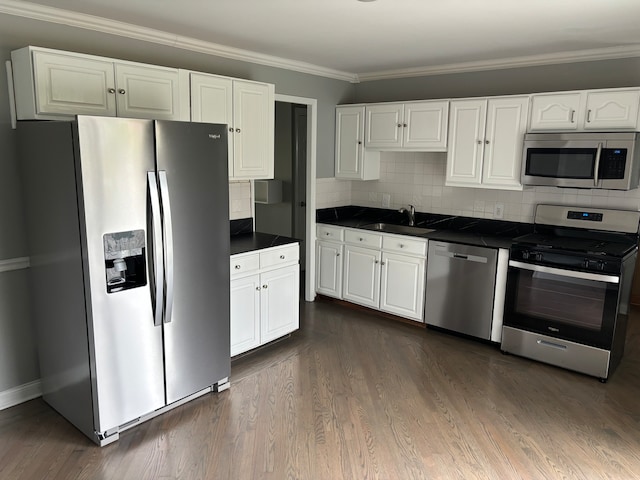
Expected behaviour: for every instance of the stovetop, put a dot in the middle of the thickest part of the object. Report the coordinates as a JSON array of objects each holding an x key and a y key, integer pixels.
[{"x": 618, "y": 248}]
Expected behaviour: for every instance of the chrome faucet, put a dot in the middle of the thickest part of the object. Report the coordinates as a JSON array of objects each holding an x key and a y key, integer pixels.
[{"x": 411, "y": 211}]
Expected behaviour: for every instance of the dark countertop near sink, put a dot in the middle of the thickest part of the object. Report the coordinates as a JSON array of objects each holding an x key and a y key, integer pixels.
[
  {"x": 244, "y": 239},
  {"x": 449, "y": 228}
]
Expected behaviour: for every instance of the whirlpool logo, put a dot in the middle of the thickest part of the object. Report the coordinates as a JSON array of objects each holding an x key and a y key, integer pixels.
[
  {"x": 553, "y": 329},
  {"x": 214, "y": 136}
]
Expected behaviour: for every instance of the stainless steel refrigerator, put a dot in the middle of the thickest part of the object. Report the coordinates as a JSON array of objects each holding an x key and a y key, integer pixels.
[{"x": 128, "y": 228}]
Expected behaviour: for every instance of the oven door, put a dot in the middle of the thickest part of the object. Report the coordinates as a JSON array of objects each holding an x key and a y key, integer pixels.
[{"x": 577, "y": 306}]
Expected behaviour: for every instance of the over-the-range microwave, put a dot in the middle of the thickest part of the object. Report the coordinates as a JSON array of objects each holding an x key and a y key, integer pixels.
[{"x": 582, "y": 160}]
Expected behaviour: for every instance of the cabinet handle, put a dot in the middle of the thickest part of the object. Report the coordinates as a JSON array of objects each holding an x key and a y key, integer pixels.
[
  {"x": 264, "y": 286},
  {"x": 237, "y": 130},
  {"x": 588, "y": 116},
  {"x": 237, "y": 267},
  {"x": 122, "y": 91},
  {"x": 573, "y": 115},
  {"x": 281, "y": 257},
  {"x": 111, "y": 90}
]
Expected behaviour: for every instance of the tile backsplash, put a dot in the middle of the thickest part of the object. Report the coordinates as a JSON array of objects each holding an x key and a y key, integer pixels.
[{"x": 418, "y": 179}]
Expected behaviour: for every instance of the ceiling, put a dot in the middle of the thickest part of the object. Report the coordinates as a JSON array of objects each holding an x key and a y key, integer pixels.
[{"x": 360, "y": 40}]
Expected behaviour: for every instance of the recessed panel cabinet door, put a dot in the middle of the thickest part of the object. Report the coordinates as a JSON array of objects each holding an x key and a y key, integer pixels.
[
  {"x": 361, "y": 276},
  {"x": 145, "y": 91},
  {"x": 245, "y": 314},
  {"x": 69, "y": 85},
  {"x": 384, "y": 125},
  {"x": 425, "y": 125},
  {"x": 349, "y": 141},
  {"x": 612, "y": 110},
  {"x": 466, "y": 142},
  {"x": 555, "y": 112},
  {"x": 402, "y": 285},
  {"x": 329, "y": 269},
  {"x": 279, "y": 303}
]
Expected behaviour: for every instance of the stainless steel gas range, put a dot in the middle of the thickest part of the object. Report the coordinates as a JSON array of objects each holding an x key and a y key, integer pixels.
[{"x": 568, "y": 288}]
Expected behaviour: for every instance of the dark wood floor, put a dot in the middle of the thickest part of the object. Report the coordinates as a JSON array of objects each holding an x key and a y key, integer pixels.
[{"x": 355, "y": 396}]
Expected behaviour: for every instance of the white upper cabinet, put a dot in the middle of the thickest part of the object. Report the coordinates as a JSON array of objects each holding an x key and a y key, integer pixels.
[
  {"x": 352, "y": 161},
  {"x": 51, "y": 84},
  {"x": 417, "y": 126},
  {"x": 611, "y": 109},
  {"x": 485, "y": 142},
  {"x": 248, "y": 110}
]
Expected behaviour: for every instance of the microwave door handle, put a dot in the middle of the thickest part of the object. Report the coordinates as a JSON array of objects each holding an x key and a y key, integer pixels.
[{"x": 597, "y": 166}]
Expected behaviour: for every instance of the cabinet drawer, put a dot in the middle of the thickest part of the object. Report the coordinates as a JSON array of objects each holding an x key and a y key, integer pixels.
[
  {"x": 360, "y": 237},
  {"x": 404, "y": 245},
  {"x": 328, "y": 232},
  {"x": 279, "y": 256},
  {"x": 244, "y": 264}
]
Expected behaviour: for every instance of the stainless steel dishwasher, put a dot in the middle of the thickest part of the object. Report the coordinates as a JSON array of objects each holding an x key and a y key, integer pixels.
[{"x": 460, "y": 287}]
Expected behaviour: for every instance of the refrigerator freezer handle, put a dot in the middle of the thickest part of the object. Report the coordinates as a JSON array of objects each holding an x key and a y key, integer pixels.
[
  {"x": 157, "y": 268},
  {"x": 168, "y": 244}
]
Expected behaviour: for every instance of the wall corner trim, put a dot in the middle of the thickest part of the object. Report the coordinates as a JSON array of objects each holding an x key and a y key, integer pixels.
[{"x": 20, "y": 394}]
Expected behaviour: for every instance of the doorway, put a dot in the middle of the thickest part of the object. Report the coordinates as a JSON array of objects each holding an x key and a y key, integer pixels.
[{"x": 294, "y": 168}]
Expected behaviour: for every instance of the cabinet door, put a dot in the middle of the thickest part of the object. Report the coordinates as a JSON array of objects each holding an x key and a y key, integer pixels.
[
  {"x": 253, "y": 125},
  {"x": 466, "y": 142},
  {"x": 349, "y": 136},
  {"x": 361, "y": 280},
  {"x": 71, "y": 85},
  {"x": 402, "y": 285},
  {"x": 212, "y": 102},
  {"x": 329, "y": 269},
  {"x": 245, "y": 314},
  {"x": 612, "y": 110},
  {"x": 146, "y": 91},
  {"x": 555, "y": 112},
  {"x": 279, "y": 302},
  {"x": 384, "y": 125},
  {"x": 505, "y": 130},
  {"x": 425, "y": 126}
]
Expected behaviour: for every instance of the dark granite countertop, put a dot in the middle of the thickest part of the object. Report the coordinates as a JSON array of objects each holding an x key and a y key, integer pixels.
[
  {"x": 247, "y": 242},
  {"x": 448, "y": 228}
]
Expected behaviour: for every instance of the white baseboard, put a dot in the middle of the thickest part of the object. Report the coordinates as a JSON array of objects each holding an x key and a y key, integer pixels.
[{"x": 20, "y": 394}]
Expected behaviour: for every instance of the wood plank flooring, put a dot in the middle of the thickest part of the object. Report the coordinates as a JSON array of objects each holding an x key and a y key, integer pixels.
[{"x": 356, "y": 396}]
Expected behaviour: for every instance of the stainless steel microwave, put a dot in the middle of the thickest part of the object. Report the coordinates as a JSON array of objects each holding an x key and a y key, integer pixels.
[{"x": 582, "y": 160}]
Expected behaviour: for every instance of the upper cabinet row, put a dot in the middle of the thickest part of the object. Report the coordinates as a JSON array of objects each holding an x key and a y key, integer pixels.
[
  {"x": 53, "y": 85},
  {"x": 483, "y": 137}
]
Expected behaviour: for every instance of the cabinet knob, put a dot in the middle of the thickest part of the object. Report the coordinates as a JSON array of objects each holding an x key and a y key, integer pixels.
[
  {"x": 359, "y": 142},
  {"x": 381, "y": 263},
  {"x": 361, "y": 239},
  {"x": 231, "y": 129},
  {"x": 258, "y": 288},
  {"x": 337, "y": 254},
  {"x": 121, "y": 91},
  {"x": 281, "y": 257},
  {"x": 376, "y": 261},
  {"x": 327, "y": 234},
  {"x": 399, "y": 125},
  {"x": 264, "y": 286},
  {"x": 404, "y": 125},
  {"x": 487, "y": 142},
  {"x": 401, "y": 245},
  {"x": 237, "y": 130},
  {"x": 479, "y": 142},
  {"x": 111, "y": 90},
  {"x": 237, "y": 267}
]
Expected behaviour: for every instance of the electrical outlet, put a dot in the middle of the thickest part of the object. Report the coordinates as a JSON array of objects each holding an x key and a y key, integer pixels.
[
  {"x": 498, "y": 210},
  {"x": 386, "y": 200}
]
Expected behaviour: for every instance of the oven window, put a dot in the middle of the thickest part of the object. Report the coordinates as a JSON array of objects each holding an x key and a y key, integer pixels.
[
  {"x": 576, "y": 302},
  {"x": 561, "y": 162}
]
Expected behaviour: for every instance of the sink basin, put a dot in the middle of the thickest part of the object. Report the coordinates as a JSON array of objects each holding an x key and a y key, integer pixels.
[{"x": 401, "y": 229}]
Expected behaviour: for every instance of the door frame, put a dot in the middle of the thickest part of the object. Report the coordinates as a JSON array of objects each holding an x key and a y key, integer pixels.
[{"x": 312, "y": 137}]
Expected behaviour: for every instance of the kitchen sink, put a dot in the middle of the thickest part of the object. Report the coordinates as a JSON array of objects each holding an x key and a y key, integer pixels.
[{"x": 401, "y": 229}]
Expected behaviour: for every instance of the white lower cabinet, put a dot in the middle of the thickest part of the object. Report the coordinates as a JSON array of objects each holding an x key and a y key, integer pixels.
[
  {"x": 377, "y": 270},
  {"x": 265, "y": 289}
]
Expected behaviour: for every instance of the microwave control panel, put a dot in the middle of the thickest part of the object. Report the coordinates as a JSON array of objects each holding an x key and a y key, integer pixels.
[{"x": 612, "y": 163}]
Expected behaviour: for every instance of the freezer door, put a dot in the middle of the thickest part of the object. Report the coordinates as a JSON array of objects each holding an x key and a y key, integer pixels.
[
  {"x": 114, "y": 157},
  {"x": 192, "y": 170}
]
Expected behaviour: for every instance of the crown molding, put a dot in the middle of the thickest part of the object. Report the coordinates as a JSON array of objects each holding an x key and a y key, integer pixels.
[
  {"x": 504, "y": 63},
  {"x": 122, "y": 29}
]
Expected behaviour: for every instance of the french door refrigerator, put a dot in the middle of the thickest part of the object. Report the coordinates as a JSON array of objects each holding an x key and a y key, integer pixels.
[{"x": 128, "y": 232}]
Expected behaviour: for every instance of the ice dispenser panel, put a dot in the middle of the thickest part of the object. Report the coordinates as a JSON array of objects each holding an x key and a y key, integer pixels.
[{"x": 124, "y": 260}]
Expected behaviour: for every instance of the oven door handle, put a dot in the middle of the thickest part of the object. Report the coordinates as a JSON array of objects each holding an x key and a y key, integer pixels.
[
  {"x": 596, "y": 168},
  {"x": 565, "y": 273}
]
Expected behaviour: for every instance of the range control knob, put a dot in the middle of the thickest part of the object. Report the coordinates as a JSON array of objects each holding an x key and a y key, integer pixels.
[
  {"x": 538, "y": 256},
  {"x": 525, "y": 255}
]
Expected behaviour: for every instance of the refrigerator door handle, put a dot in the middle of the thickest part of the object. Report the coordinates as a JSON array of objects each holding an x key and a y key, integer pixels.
[
  {"x": 168, "y": 244},
  {"x": 157, "y": 275}
]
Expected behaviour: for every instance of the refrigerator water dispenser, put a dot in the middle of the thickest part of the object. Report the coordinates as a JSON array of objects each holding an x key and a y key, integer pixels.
[{"x": 124, "y": 260}]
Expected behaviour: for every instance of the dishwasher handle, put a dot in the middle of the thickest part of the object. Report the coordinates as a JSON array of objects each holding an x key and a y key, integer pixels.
[{"x": 462, "y": 256}]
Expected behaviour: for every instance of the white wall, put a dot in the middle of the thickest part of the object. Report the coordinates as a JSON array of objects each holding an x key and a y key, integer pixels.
[{"x": 418, "y": 179}]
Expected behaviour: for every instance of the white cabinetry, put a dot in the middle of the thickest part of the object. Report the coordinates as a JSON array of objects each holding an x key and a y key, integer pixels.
[
  {"x": 416, "y": 126},
  {"x": 379, "y": 270},
  {"x": 248, "y": 109},
  {"x": 352, "y": 160},
  {"x": 264, "y": 296},
  {"x": 51, "y": 84},
  {"x": 610, "y": 109},
  {"x": 485, "y": 142},
  {"x": 329, "y": 255}
]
